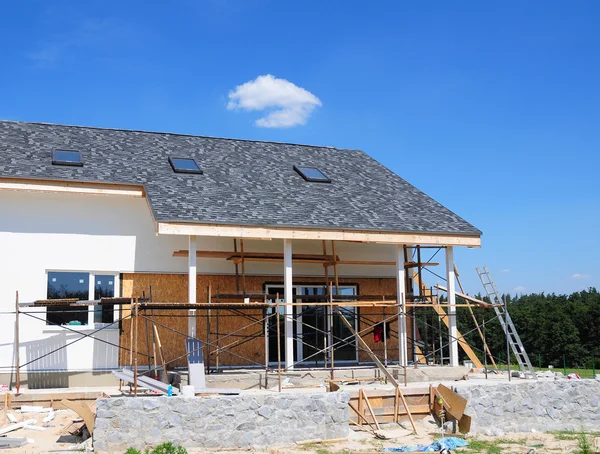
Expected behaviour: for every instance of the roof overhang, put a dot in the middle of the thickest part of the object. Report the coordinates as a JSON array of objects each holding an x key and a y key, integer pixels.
[
  {"x": 71, "y": 187},
  {"x": 262, "y": 233}
]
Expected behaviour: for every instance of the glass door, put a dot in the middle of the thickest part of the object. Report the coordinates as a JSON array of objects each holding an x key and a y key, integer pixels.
[{"x": 312, "y": 327}]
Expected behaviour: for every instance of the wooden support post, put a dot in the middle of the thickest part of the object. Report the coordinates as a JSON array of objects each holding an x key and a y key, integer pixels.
[
  {"x": 162, "y": 357},
  {"x": 335, "y": 269},
  {"x": 396, "y": 405},
  {"x": 278, "y": 345},
  {"x": 17, "y": 344},
  {"x": 131, "y": 334},
  {"x": 361, "y": 417},
  {"x": 135, "y": 359},
  {"x": 266, "y": 313},
  {"x": 364, "y": 396},
  {"x": 154, "y": 352},
  {"x": 217, "y": 334},
  {"x": 243, "y": 266},
  {"x": 237, "y": 270},
  {"x": 360, "y": 407},
  {"x": 325, "y": 264},
  {"x": 331, "y": 340},
  {"x": 208, "y": 316},
  {"x": 385, "y": 353}
]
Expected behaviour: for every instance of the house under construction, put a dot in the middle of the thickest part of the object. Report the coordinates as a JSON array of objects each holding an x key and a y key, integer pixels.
[{"x": 118, "y": 245}]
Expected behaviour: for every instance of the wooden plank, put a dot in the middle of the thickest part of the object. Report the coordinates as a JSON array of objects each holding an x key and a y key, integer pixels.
[
  {"x": 83, "y": 411},
  {"x": 261, "y": 233},
  {"x": 396, "y": 404},
  {"x": 464, "y": 424},
  {"x": 453, "y": 403},
  {"x": 366, "y": 399},
  {"x": 160, "y": 353},
  {"x": 73, "y": 187},
  {"x": 467, "y": 297},
  {"x": 232, "y": 255}
]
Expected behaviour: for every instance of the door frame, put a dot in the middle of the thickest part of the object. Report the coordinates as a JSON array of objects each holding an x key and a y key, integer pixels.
[{"x": 299, "y": 324}]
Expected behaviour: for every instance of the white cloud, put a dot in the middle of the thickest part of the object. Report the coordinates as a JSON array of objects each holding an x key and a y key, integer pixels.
[
  {"x": 288, "y": 104},
  {"x": 505, "y": 270},
  {"x": 580, "y": 276},
  {"x": 519, "y": 288}
]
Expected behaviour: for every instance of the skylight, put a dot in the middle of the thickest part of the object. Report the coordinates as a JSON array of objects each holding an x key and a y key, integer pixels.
[
  {"x": 67, "y": 158},
  {"x": 185, "y": 165},
  {"x": 312, "y": 174}
]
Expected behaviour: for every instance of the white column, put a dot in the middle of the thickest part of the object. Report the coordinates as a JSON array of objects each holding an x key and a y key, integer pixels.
[
  {"x": 451, "y": 282},
  {"x": 289, "y": 309},
  {"x": 401, "y": 292},
  {"x": 410, "y": 292},
  {"x": 192, "y": 285}
]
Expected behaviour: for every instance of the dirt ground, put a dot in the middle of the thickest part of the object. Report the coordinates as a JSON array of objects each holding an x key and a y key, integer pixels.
[{"x": 56, "y": 438}]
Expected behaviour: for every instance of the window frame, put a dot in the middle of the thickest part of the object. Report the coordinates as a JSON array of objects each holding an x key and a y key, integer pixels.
[
  {"x": 91, "y": 324},
  {"x": 176, "y": 170},
  {"x": 299, "y": 171},
  {"x": 60, "y": 162}
]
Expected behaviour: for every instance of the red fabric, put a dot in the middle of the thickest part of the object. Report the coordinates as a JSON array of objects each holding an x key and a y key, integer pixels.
[{"x": 378, "y": 333}]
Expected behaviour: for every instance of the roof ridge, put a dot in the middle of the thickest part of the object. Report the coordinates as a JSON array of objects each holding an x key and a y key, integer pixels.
[{"x": 176, "y": 134}]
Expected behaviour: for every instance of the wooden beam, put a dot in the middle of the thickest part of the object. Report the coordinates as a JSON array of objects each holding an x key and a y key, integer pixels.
[
  {"x": 251, "y": 232},
  {"x": 467, "y": 297},
  {"x": 327, "y": 260},
  {"x": 72, "y": 187}
]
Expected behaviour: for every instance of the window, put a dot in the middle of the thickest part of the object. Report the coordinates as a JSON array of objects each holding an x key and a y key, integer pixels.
[
  {"x": 82, "y": 286},
  {"x": 62, "y": 285},
  {"x": 67, "y": 158},
  {"x": 312, "y": 174},
  {"x": 104, "y": 288},
  {"x": 185, "y": 165}
]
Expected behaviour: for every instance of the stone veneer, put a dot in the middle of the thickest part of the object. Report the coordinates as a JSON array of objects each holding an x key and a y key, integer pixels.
[
  {"x": 525, "y": 406},
  {"x": 247, "y": 420}
]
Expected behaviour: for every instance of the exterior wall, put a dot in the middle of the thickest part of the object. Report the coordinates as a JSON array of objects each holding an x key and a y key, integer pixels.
[
  {"x": 41, "y": 232},
  {"x": 172, "y": 288}
]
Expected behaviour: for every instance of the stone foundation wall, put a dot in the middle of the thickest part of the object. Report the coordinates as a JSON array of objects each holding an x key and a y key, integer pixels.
[
  {"x": 220, "y": 421},
  {"x": 541, "y": 405}
]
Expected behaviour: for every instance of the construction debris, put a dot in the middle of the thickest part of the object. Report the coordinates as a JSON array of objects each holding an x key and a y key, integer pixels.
[
  {"x": 6, "y": 443},
  {"x": 19, "y": 425}
]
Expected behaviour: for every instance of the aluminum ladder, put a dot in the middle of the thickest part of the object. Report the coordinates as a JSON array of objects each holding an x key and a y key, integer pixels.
[{"x": 507, "y": 324}]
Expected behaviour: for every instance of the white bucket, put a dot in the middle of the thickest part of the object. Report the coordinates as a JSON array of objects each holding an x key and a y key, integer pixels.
[{"x": 187, "y": 391}]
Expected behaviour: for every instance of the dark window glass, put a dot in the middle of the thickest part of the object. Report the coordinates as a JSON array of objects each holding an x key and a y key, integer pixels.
[
  {"x": 67, "y": 157},
  {"x": 185, "y": 165},
  {"x": 63, "y": 285},
  {"x": 312, "y": 174},
  {"x": 104, "y": 287}
]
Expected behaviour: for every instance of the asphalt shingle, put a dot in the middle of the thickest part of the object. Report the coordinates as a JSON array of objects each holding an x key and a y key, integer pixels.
[{"x": 244, "y": 182}]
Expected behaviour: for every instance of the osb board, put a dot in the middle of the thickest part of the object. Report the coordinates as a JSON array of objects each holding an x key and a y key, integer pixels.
[{"x": 173, "y": 288}]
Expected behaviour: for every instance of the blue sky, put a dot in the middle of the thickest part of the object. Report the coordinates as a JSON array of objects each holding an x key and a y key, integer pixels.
[{"x": 491, "y": 108}]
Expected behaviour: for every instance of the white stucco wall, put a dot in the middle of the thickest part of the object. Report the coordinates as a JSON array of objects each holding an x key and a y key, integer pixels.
[{"x": 41, "y": 232}]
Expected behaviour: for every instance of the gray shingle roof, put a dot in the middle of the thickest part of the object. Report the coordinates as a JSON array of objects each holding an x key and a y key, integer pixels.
[{"x": 244, "y": 182}]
